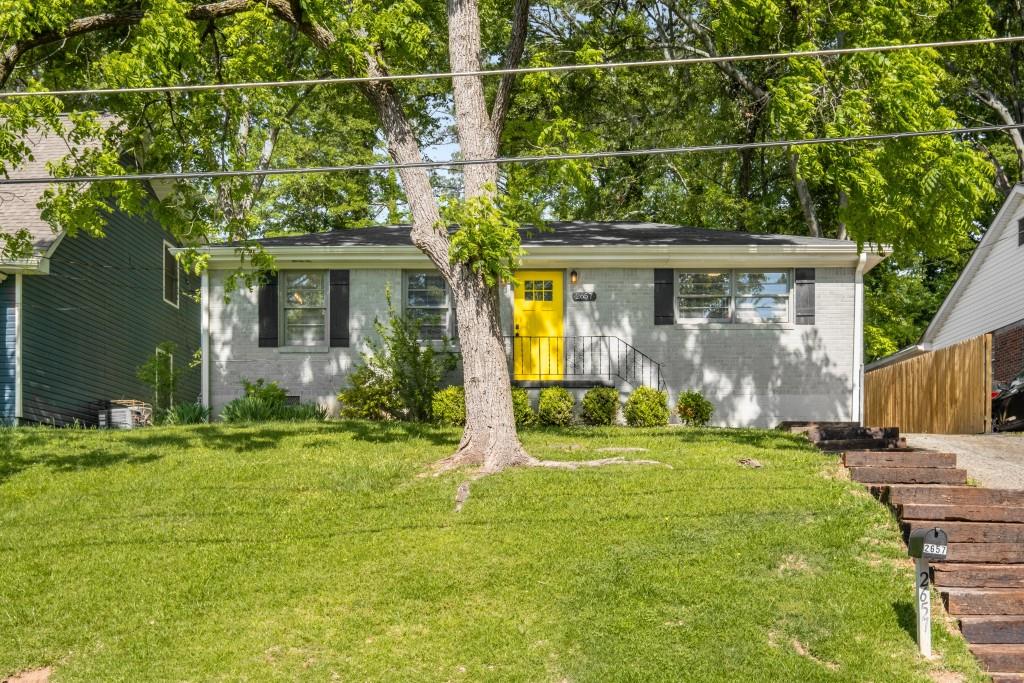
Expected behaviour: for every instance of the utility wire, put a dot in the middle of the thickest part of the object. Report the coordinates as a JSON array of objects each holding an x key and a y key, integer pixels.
[
  {"x": 459, "y": 163},
  {"x": 721, "y": 59}
]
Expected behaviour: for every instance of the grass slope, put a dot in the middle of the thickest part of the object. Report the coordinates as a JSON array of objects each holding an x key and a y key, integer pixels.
[{"x": 315, "y": 552}]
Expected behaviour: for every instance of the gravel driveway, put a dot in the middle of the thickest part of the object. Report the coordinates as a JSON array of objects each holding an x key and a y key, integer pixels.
[{"x": 995, "y": 460}]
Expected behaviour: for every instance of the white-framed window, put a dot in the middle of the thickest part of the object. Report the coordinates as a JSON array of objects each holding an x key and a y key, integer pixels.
[
  {"x": 172, "y": 277},
  {"x": 734, "y": 296},
  {"x": 427, "y": 300},
  {"x": 304, "y": 307}
]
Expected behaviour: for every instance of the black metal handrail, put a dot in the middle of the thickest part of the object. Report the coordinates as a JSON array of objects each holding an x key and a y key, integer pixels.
[{"x": 582, "y": 357}]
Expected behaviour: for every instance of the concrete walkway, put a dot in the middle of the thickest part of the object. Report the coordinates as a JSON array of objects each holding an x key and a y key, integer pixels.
[{"x": 994, "y": 460}]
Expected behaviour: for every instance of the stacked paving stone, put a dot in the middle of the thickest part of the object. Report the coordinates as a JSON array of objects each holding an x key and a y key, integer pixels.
[{"x": 982, "y": 579}]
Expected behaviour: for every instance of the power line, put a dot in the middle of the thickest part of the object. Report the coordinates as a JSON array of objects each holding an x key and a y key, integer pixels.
[
  {"x": 458, "y": 163},
  {"x": 682, "y": 61}
]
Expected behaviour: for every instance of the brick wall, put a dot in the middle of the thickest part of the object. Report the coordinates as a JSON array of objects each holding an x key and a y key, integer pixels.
[
  {"x": 1008, "y": 352},
  {"x": 755, "y": 375}
]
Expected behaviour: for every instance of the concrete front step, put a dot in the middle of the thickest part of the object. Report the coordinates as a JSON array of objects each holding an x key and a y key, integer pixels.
[
  {"x": 956, "y": 575},
  {"x": 993, "y": 629},
  {"x": 1000, "y": 657},
  {"x": 950, "y": 495},
  {"x": 984, "y": 601},
  {"x": 894, "y": 458},
  {"x": 908, "y": 475},
  {"x": 962, "y": 513},
  {"x": 971, "y": 532}
]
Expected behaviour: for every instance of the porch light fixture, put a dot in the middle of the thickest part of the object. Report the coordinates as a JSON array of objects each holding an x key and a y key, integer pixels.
[{"x": 574, "y": 277}]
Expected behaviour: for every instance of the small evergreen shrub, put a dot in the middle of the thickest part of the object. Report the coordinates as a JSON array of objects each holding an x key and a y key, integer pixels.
[
  {"x": 270, "y": 392},
  {"x": 525, "y": 415},
  {"x": 600, "y": 406},
  {"x": 646, "y": 407},
  {"x": 555, "y": 407},
  {"x": 449, "y": 406},
  {"x": 370, "y": 396},
  {"x": 693, "y": 409},
  {"x": 187, "y": 414},
  {"x": 256, "y": 409}
]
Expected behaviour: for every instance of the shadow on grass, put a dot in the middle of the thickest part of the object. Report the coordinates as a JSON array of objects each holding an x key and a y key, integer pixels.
[
  {"x": 906, "y": 616},
  {"x": 396, "y": 432}
]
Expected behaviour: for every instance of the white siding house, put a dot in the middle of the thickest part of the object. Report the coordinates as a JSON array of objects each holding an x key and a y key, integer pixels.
[
  {"x": 987, "y": 298},
  {"x": 768, "y": 327}
]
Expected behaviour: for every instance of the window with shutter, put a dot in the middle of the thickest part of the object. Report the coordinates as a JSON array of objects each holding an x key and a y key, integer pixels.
[
  {"x": 305, "y": 308},
  {"x": 429, "y": 303}
]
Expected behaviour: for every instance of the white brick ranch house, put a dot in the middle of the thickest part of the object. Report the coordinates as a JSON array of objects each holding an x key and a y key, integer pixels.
[{"x": 768, "y": 327}]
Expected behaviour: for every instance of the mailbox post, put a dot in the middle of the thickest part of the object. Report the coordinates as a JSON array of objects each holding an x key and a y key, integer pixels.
[{"x": 925, "y": 545}]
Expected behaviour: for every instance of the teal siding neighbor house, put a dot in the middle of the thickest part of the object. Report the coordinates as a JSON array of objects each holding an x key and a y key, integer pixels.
[{"x": 80, "y": 315}]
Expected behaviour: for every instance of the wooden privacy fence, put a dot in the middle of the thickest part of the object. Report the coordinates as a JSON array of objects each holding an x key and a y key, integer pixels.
[{"x": 942, "y": 392}]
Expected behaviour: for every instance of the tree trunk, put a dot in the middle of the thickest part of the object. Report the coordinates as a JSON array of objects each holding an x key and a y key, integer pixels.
[{"x": 803, "y": 193}]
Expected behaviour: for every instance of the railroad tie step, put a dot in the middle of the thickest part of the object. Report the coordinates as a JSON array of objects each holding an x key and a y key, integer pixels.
[
  {"x": 986, "y": 553},
  {"x": 999, "y": 677},
  {"x": 1000, "y": 657},
  {"x": 992, "y": 629},
  {"x": 861, "y": 444},
  {"x": 971, "y": 532},
  {"x": 962, "y": 513},
  {"x": 950, "y": 495},
  {"x": 895, "y": 458},
  {"x": 908, "y": 475},
  {"x": 984, "y": 602},
  {"x": 968, "y": 575}
]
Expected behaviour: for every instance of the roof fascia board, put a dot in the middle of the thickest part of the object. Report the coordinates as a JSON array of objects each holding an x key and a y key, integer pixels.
[
  {"x": 974, "y": 263},
  {"x": 35, "y": 265}
]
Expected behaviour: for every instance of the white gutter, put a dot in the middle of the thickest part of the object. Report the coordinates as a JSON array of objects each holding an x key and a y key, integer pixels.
[
  {"x": 857, "y": 407},
  {"x": 19, "y": 343},
  {"x": 204, "y": 339}
]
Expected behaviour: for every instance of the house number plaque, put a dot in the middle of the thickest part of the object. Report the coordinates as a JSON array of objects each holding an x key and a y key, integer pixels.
[{"x": 584, "y": 296}]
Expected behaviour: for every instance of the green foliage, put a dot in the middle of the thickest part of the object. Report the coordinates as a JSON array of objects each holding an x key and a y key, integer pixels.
[
  {"x": 270, "y": 392},
  {"x": 398, "y": 376},
  {"x": 257, "y": 409},
  {"x": 486, "y": 241},
  {"x": 187, "y": 413},
  {"x": 525, "y": 415},
  {"x": 693, "y": 409},
  {"x": 646, "y": 407},
  {"x": 161, "y": 377},
  {"x": 555, "y": 407},
  {"x": 600, "y": 406},
  {"x": 449, "y": 406}
]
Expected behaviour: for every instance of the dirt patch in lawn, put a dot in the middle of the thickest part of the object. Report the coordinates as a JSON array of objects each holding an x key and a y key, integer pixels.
[{"x": 31, "y": 676}]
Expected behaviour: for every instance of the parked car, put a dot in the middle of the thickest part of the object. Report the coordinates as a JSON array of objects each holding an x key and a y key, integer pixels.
[{"x": 1008, "y": 406}]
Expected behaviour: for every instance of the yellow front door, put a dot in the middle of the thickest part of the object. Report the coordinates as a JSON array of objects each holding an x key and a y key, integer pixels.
[{"x": 538, "y": 347}]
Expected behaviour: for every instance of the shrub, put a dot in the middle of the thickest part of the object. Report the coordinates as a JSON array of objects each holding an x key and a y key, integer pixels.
[
  {"x": 525, "y": 416},
  {"x": 398, "y": 377},
  {"x": 600, "y": 406},
  {"x": 159, "y": 375},
  {"x": 555, "y": 407},
  {"x": 187, "y": 414},
  {"x": 449, "y": 406},
  {"x": 647, "y": 407},
  {"x": 693, "y": 409},
  {"x": 270, "y": 392},
  {"x": 257, "y": 409}
]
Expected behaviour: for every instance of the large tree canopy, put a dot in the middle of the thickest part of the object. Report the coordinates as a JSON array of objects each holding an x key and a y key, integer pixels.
[{"x": 925, "y": 196}]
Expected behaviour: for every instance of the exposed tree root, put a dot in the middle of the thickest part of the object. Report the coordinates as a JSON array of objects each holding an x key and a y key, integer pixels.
[{"x": 456, "y": 461}]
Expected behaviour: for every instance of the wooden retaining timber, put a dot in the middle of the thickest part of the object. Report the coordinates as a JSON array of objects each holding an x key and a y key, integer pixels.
[{"x": 982, "y": 580}]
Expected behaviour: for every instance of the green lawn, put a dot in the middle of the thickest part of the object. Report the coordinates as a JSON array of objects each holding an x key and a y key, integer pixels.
[{"x": 316, "y": 552}]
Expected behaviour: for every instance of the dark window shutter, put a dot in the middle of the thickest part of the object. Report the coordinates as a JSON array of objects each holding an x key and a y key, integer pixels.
[
  {"x": 339, "y": 308},
  {"x": 1020, "y": 233},
  {"x": 804, "y": 296},
  {"x": 664, "y": 297},
  {"x": 267, "y": 298}
]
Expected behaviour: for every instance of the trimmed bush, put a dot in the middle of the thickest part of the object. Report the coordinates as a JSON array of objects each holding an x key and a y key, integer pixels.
[
  {"x": 449, "y": 406},
  {"x": 187, "y": 414},
  {"x": 270, "y": 392},
  {"x": 525, "y": 415},
  {"x": 647, "y": 407},
  {"x": 600, "y": 406},
  {"x": 693, "y": 409},
  {"x": 555, "y": 407}
]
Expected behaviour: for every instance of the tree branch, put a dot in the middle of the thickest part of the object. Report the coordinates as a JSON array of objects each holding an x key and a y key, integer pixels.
[
  {"x": 513, "y": 56},
  {"x": 992, "y": 101}
]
